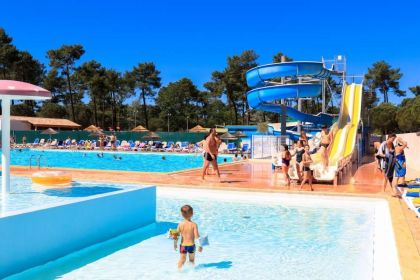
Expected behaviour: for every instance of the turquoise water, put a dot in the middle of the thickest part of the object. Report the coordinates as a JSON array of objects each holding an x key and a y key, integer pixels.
[
  {"x": 130, "y": 161},
  {"x": 24, "y": 195},
  {"x": 248, "y": 240}
]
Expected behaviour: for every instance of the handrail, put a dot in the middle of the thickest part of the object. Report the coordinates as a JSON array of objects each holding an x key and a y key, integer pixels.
[{"x": 30, "y": 161}]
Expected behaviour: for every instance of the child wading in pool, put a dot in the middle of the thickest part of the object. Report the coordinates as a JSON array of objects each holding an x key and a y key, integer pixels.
[
  {"x": 189, "y": 233},
  {"x": 307, "y": 172}
]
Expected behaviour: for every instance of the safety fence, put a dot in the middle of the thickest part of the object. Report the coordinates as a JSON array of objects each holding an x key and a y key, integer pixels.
[
  {"x": 266, "y": 146},
  {"x": 191, "y": 137}
]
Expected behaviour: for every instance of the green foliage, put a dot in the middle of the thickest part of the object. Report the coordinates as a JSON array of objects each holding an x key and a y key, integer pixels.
[
  {"x": 16, "y": 64},
  {"x": 23, "y": 109},
  {"x": 262, "y": 127},
  {"x": 180, "y": 100},
  {"x": 408, "y": 115},
  {"x": 415, "y": 90},
  {"x": 63, "y": 62},
  {"x": 277, "y": 57},
  {"x": 383, "y": 117},
  {"x": 145, "y": 77},
  {"x": 381, "y": 76},
  {"x": 231, "y": 82},
  {"x": 52, "y": 110}
]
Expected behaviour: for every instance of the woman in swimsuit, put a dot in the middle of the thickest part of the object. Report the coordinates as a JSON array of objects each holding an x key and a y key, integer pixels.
[
  {"x": 307, "y": 173},
  {"x": 298, "y": 152},
  {"x": 285, "y": 160},
  {"x": 303, "y": 137},
  {"x": 326, "y": 138},
  {"x": 400, "y": 162}
]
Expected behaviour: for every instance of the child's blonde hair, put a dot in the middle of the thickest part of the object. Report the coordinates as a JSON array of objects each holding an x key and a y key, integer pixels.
[{"x": 187, "y": 211}]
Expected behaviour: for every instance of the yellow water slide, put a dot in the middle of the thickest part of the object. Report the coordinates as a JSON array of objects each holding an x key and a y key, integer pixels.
[
  {"x": 355, "y": 120},
  {"x": 344, "y": 132}
]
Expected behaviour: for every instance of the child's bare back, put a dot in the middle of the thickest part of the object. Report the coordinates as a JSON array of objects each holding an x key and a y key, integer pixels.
[{"x": 188, "y": 230}]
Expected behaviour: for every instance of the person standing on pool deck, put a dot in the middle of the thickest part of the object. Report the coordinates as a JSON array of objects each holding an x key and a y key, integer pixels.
[
  {"x": 326, "y": 138},
  {"x": 400, "y": 162},
  {"x": 189, "y": 233},
  {"x": 211, "y": 147},
  {"x": 387, "y": 151},
  {"x": 298, "y": 151},
  {"x": 285, "y": 160},
  {"x": 307, "y": 172},
  {"x": 113, "y": 141}
]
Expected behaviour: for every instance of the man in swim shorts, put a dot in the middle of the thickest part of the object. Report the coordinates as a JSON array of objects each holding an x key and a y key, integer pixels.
[{"x": 189, "y": 233}]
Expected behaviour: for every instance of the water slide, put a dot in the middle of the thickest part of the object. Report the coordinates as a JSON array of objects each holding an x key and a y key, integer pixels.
[
  {"x": 344, "y": 133},
  {"x": 263, "y": 97},
  {"x": 344, "y": 130}
]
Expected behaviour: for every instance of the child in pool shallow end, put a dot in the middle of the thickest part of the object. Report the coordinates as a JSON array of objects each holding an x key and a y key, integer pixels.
[{"x": 188, "y": 230}]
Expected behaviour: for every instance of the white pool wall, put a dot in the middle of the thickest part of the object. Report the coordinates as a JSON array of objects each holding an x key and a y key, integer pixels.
[{"x": 35, "y": 236}]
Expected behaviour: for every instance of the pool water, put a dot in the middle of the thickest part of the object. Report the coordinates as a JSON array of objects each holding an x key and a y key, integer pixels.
[
  {"x": 249, "y": 239},
  {"x": 23, "y": 195},
  {"x": 130, "y": 161}
]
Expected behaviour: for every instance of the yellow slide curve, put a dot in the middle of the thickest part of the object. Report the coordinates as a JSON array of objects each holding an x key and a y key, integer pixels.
[{"x": 344, "y": 133}]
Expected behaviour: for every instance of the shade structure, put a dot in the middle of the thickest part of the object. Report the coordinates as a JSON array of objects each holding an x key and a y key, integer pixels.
[
  {"x": 151, "y": 136},
  {"x": 198, "y": 128},
  {"x": 91, "y": 128},
  {"x": 96, "y": 133},
  {"x": 240, "y": 134},
  {"x": 228, "y": 136},
  {"x": 139, "y": 128},
  {"x": 49, "y": 131},
  {"x": 14, "y": 90}
]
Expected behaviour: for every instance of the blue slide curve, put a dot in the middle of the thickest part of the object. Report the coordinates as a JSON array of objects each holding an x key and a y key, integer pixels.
[{"x": 262, "y": 97}]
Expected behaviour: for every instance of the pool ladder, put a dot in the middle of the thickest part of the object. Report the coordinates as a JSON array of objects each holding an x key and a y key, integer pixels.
[{"x": 38, "y": 161}]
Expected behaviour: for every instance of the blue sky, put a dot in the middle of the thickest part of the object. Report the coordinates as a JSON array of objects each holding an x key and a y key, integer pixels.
[{"x": 193, "y": 38}]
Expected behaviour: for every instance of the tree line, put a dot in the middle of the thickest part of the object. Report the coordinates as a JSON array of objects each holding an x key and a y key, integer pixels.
[{"x": 90, "y": 93}]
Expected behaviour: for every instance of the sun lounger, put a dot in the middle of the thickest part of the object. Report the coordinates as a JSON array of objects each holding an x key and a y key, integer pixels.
[
  {"x": 36, "y": 142},
  {"x": 411, "y": 196},
  {"x": 245, "y": 148},
  {"x": 231, "y": 147}
]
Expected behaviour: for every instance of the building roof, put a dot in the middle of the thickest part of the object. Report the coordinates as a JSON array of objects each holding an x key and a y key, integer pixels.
[{"x": 46, "y": 122}]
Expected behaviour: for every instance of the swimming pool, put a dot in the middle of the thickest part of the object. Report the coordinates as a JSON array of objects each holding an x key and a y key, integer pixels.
[
  {"x": 252, "y": 236},
  {"x": 23, "y": 195},
  {"x": 130, "y": 161}
]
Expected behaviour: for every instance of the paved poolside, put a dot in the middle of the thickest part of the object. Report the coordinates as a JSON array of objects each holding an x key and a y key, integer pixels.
[{"x": 258, "y": 176}]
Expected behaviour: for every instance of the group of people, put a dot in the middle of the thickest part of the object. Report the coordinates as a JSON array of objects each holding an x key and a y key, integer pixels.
[
  {"x": 302, "y": 153},
  {"x": 392, "y": 162}
]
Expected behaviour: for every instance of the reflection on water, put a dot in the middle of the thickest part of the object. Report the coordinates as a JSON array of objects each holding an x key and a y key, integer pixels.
[{"x": 79, "y": 191}]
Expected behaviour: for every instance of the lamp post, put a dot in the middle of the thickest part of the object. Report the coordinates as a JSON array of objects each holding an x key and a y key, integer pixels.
[
  {"x": 135, "y": 117},
  {"x": 187, "y": 122},
  {"x": 169, "y": 114}
]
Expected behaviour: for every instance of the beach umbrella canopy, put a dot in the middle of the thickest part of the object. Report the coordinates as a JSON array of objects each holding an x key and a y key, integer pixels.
[
  {"x": 198, "y": 128},
  {"x": 151, "y": 136},
  {"x": 96, "y": 133},
  {"x": 240, "y": 134},
  {"x": 228, "y": 136},
  {"x": 49, "y": 131},
  {"x": 91, "y": 128},
  {"x": 13, "y": 90},
  {"x": 140, "y": 128}
]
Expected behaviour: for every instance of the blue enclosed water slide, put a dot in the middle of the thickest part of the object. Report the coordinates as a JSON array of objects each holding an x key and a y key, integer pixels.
[{"x": 262, "y": 97}]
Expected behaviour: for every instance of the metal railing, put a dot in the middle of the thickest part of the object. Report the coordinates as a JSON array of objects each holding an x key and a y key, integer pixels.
[{"x": 38, "y": 161}]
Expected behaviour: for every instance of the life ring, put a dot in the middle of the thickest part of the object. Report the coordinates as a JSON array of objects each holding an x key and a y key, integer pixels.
[{"x": 51, "y": 178}]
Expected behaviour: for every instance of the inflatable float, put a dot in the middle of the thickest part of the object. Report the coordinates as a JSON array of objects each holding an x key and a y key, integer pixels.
[{"x": 51, "y": 178}]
